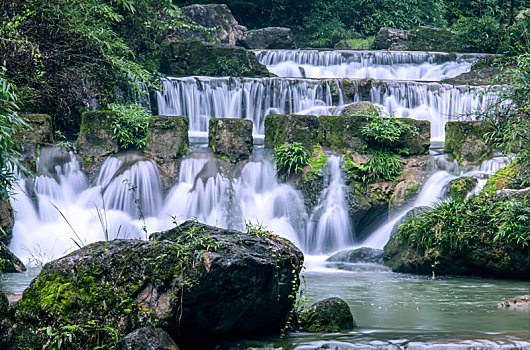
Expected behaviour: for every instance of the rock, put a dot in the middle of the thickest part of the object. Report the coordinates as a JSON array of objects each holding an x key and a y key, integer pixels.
[
  {"x": 518, "y": 303},
  {"x": 6, "y": 331},
  {"x": 359, "y": 255},
  {"x": 218, "y": 16},
  {"x": 95, "y": 139},
  {"x": 418, "y": 143},
  {"x": 8, "y": 261},
  {"x": 459, "y": 188},
  {"x": 231, "y": 137},
  {"x": 465, "y": 140},
  {"x": 39, "y": 132},
  {"x": 167, "y": 143},
  {"x": 486, "y": 71},
  {"x": 195, "y": 281},
  {"x": 268, "y": 38},
  {"x": 363, "y": 108},
  {"x": 329, "y": 315},
  {"x": 147, "y": 338},
  {"x": 426, "y": 38},
  {"x": 7, "y": 220},
  {"x": 289, "y": 128},
  {"x": 503, "y": 178},
  {"x": 413, "y": 175},
  {"x": 195, "y": 58},
  {"x": 391, "y": 39}
]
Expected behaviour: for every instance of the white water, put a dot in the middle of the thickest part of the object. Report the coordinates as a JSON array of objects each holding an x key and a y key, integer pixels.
[{"x": 388, "y": 65}]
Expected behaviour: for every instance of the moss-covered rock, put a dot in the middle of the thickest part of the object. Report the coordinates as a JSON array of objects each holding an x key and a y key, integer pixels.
[
  {"x": 413, "y": 176},
  {"x": 426, "y": 38},
  {"x": 465, "y": 140},
  {"x": 39, "y": 132},
  {"x": 486, "y": 71},
  {"x": 461, "y": 187},
  {"x": 197, "y": 58},
  {"x": 231, "y": 138},
  {"x": 7, "y": 220},
  {"x": 95, "y": 138},
  {"x": 8, "y": 261},
  {"x": 503, "y": 178},
  {"x": 329, "y": 315},
  {"x": 391, "y": 39},
  {"x": 268, "y": 38},
  {"x": 6, "y": 330},
  {"x": 288, "y": 128},
  {"x": 167, "y": 143},
  {"x": 195, "y": 281}
]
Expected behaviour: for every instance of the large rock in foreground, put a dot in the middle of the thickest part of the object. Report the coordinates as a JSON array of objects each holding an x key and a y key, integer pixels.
[
  {"x": 268, "y": 38},
  {"x": 195, "y": 281}
]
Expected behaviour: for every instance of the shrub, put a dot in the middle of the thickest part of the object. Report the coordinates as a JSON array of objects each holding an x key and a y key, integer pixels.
[
  {"x": 478, "y": 34},
  {"x": 130, "y": 125},
  {"x": 385, "y": 133},
  {"x": 290, "y": 159}
]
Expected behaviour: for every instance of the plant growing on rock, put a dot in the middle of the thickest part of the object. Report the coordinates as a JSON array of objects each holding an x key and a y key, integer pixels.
[
  {"x": 290, "y": 159},
  {"x": 130, "y": 125}
]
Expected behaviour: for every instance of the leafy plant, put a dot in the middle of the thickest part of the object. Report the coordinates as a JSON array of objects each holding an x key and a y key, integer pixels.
[
  {"x": 290, "y": 159},
  {"x": 385, "y": 133},
  {"x": 105, "y": 336},
  {"x": 130, "y": 125}
]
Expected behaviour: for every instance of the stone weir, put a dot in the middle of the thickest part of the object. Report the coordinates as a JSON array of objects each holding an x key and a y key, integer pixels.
[{"x": 202, "y": 98}]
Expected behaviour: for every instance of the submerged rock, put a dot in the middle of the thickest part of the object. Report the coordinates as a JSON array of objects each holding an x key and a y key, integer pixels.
[
  {"x": 231, "y": 137},
  {"x": 517, "y": 303},
  {"x": 7, "y": 220},
  {"x": 359, "y": 255},
  {"x": 195, "y": 281},
  {"x": 147, "y": 338},
  {"x": 329, "y": 315},
  {"x": 8, "y": 261},
  {"x": 465, "y": 140},
  {"x": 268, "y": 38}
]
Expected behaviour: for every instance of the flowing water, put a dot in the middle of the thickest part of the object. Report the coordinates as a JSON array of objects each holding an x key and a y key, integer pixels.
[{"x": 61, "y": 208}]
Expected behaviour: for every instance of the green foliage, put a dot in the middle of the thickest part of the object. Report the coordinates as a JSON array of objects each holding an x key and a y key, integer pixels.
[
  {"x": 105, "y": 336},
  {"x": 130, "y": 126},
  {"x": 316, "y": 162},
  {"x": 361, "y": 43},
  {"x": 385, "y": 133},
  {"x": 290, "y": 159},
  {"x": 380, "y": 164},
  {"x": 10, "y": 123},
  {"x": 478, "y": 34}
]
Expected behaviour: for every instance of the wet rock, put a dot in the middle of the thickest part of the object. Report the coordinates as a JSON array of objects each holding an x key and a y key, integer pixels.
[
  {"x": 518, "y": 303},
  {"x": 231, "y": 138},
  {"x": 9, "y": 262},
  {"x": 195, "y": 281},
  {"x": 268, "y": 38},
  {"x": 289, "y": 128},
  {"x": 195, "y": 58},
  {"x": 414, "y": 174},
  {"x": 426, "y": 38},
  {"x": 95, "y": 138},
  {"x": 391, "y": 39},
  {"x": 147, "y": 338},
  {"x": 459, "y": 188},
  {"x": 359, "y": 255},
  {"x": 329, "y": 315},
  {"x": 167, "y": 143},
  {"x": 6, "y": 331},
  {"x": 486, "y": 71},
  {"x": 7, "y": 220},
  {"x": 363, "y": 108},
  {"x": 465, "y": 140},
  {"x": 39, "y": 132},
  {"x": 218, "y": 16}
]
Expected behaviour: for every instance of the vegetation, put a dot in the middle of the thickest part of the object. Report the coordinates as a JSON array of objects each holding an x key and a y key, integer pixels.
[
  {"x": 130, "y": 125},
  {"x": 290, "y": 159}
]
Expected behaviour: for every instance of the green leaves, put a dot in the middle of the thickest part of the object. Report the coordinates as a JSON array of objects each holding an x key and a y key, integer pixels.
[
  {"x": 385, "y": 133},
  {"x": 290, "y": 159},
  {"x": 130, "y": 126}
]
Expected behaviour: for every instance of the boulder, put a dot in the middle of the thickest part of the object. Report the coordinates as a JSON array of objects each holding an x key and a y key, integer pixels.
[
  {"x": 167, "y": 143},
  {"x": 187, "y": 58},
  {"x": 6, "y": 331},
  {"x": 413, "y": 175},
  {"x": 465, "y": 140},
  {"x": 359, "y": 255},
  {"x": 426, "y": 38},
  {"x": 7, "y": 220},
  {"x": 95, "y": 139},
  {"x": 231, "y": 138},
  {"x": 459, "y": 188},
  {"x": 268, "y": 38},
  {"x": 289, "y": 128},
  {"x": 363, "y": 108},
  {"x": 39, "y": 132},
  {"x": 391, "y": 39},
  {"x": 486, "y": 71},
  {"x": 147, "y": 338},
  {"x": 196, "y": 282},
  {"x": 329, "y": 315},
  {"x": 517, "y": 303},
  {"x": 216, "y": 16},
  {"x": 9, "y": 262}
]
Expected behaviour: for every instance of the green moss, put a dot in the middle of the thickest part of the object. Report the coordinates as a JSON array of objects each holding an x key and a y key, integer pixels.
[
  {"x": 316, "y": 162},
  {"x": 501, "y": 178},
  {"x": 459, "y": 188},
  {"x": 283, "y": 129}
]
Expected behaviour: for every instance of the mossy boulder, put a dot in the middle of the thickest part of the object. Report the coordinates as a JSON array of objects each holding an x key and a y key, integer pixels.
[
  {"x": 196, "y": 58},
  {"x": 425, "y": 38},
  {"x": 167, "y": 143},
  {"x": 8, "y": 261},
  {"x": 268, "y": 38},
  {"x": 231, "y": 138},
  {"x": 363, "y": 108},
  {"x": 415, "y": 172},
  {"x": 7, "y": 220},
  {"x": 503, "y": 178},
  {"x": 196, "y": 282},
  {"x": 461, "y": 187},
  {"x": 391, "y": 39},
  {"x": 39, "y": 132},
  {"x": 329, "y": 315},
  {"x": 95, "y": 138},
  {"x": 288, "y": 128},
  {"x": 465, "y": 140}
]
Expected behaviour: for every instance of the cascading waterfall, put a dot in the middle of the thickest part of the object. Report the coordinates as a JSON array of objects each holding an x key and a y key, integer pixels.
[
  {"x": 329, "y": 227},
  {"x": 397, "y": 65}
]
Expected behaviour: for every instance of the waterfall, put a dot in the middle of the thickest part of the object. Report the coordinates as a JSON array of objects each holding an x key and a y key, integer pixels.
[
  {"x": 329, "y": 227},
  {"x": 391, "y": 65}
]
